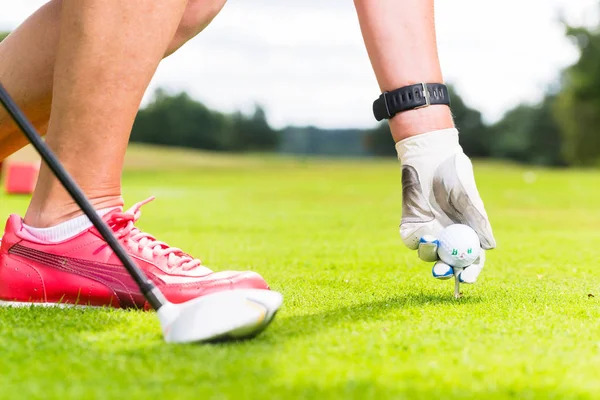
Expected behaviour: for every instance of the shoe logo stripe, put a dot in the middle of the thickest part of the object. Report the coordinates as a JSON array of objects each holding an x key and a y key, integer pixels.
[{"x": 111, "y": 275}]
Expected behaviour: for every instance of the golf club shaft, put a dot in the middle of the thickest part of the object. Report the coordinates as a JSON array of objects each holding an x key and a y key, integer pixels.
[{"x": 147, "y": 287}]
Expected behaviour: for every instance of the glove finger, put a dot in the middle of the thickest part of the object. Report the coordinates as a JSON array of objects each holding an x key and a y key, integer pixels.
[
  {"x": 456, "y": 193},
  {"x": 411, "y": 233},
  {"x": 442, "y": 271},
  {"x": 428, "y": 246},
  {"x": 471, "y": 273}
]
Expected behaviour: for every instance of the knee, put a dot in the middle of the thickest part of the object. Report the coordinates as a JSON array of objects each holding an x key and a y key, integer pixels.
[{"x": 197, "y": 16}]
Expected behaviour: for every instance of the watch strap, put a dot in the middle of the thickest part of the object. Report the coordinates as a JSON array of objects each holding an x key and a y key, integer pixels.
[{"x": 410, "y": 98}]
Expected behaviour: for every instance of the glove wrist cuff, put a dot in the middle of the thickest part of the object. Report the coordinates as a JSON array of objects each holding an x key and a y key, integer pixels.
[{"x": 441, "y": 142}]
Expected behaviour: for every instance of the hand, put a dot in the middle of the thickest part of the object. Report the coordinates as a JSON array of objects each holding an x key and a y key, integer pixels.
[{"x": 438, "y": 189}]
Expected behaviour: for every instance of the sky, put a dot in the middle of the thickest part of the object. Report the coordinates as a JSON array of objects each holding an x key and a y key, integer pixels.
[{"x": 305, "y": 61}]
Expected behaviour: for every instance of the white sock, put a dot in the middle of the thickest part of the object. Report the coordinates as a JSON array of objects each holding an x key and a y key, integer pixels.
[{"x": 65, "y": 230}]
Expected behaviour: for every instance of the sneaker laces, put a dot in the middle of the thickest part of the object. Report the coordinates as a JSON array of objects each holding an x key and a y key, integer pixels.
[{"x": 123, "y": 225}]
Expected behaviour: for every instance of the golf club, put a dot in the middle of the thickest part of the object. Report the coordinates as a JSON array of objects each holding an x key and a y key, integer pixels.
[{"x": 234, "y": 314}]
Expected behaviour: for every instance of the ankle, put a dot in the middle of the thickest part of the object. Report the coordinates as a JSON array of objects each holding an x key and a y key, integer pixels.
[
  {"x": 422, "y": 120},
  {"x": 49, "y": 214},
  {"x": 64, "y": 230}
]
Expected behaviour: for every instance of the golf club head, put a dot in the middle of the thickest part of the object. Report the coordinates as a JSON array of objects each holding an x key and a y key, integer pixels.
[{"x": 228, "y": 315}]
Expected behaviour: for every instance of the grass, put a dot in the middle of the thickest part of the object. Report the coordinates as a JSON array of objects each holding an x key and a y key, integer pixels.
[{"x": 362, "y": 317}]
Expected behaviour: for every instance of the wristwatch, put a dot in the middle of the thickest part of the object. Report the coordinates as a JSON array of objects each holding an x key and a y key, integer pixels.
[{"x": 410, "y": 98}]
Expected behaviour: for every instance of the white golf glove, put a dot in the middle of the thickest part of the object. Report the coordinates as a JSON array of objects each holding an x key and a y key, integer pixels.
[{"x": 438, "y": 189}]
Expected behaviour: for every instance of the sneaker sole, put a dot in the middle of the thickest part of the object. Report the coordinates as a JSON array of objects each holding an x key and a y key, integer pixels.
[{"x": 20, "y": 304}]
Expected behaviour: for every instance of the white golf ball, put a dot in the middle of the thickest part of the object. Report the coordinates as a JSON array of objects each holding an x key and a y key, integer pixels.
[{"x": 459, "y": 246}]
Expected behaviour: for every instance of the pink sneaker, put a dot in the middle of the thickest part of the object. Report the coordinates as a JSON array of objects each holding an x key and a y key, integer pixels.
[{"x": 85, "y": 271}]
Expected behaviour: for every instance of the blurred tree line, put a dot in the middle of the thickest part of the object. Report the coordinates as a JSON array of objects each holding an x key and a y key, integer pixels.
[
  {"x": 577, "y": 105},
  {"x": 178, "y": 120}
]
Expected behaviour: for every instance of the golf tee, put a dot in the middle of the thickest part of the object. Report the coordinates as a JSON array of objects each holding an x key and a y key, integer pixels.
[{"x": 457, "y": 272}]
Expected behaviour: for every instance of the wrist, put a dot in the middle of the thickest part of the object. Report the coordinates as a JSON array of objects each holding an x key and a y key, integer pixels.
[
  {"x": 429, "y": 147},
  {"x": 415, "y": 122}
]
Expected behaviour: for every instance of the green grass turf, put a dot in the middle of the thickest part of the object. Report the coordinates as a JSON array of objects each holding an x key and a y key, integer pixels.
[{"x": 362, "y": 317}]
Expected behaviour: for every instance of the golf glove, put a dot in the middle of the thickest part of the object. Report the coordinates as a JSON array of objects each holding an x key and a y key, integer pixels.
[{"x": 438, "y": 189}]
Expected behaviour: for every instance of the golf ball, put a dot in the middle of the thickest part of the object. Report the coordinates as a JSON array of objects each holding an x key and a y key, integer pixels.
[{"x": 458, "y": 246}]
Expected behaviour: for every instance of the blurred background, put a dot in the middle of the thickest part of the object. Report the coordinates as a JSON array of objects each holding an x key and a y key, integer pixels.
[{"x": 294, "y": 78}]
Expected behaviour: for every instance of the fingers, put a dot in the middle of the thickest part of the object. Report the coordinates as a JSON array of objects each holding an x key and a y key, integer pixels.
[
  {"x": 442, "y": 271},
  {"x": 411, "y": 233},
  {"x": 456, "y": 193},
  {"x": 428, "y": 246},
  {"x": 471, "y": 273}
]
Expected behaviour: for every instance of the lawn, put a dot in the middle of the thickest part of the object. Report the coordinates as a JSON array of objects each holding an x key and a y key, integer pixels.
[{"x": 362, "y": 317}]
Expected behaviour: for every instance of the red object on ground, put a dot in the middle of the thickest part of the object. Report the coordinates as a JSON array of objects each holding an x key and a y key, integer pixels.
[{"x": 20, "y": 177}]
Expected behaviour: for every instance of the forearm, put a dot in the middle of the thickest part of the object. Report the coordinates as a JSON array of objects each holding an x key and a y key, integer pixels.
[{"x": 401, "y": 42}]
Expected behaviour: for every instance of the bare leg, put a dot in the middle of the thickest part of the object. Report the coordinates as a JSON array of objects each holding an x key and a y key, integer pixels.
[
  {"x": 401, "y": 42},
  {"x": 29, "y": 54},
  {"x": 107, "y": 53},
  {"x": 26, "y": 69}
]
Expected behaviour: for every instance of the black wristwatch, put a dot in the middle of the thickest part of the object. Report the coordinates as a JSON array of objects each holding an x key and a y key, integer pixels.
[{"x": 410, "y": 98}]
